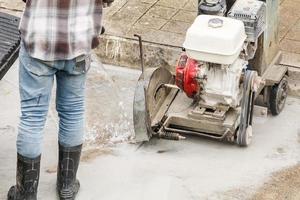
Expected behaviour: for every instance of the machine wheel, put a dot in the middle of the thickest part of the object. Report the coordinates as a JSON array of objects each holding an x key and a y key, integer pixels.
[
  {"x": 245, "y": 139},
  {"x": 278, "y": 96},
  {"x": 244, "y": 133}
]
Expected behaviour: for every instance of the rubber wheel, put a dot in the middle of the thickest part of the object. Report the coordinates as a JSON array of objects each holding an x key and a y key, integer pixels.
[
  {"x": 245, "y": 138},
  {"x": 244, "y": 133},
  {"x": 278, "y": 96}
]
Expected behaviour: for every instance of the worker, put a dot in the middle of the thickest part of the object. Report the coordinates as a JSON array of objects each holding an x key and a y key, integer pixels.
[{"x": 57, "y": 37}]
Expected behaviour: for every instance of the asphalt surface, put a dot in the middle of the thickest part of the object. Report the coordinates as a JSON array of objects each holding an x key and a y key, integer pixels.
[{"x": 114, "y": 169}]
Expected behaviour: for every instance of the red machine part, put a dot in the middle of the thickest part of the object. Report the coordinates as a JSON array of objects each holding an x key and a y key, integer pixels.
[{"x": 186, "y": 74}]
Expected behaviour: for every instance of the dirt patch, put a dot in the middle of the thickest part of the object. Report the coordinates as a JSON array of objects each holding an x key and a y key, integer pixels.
[
  {"x": 51, "y": 170},
  {"x": 280, "y": 150},
  {"x": 86, "y": 156},
  {"x": 7, "y": 129},
  {"x": 284, "y": 185},
  {"x": 91, "y": 154},
  {"x": 242, "y": 193}
]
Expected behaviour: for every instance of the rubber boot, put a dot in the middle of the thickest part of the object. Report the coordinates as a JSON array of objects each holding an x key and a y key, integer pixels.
[
  {"x": 68, "y": 161},
  {"x": 27, "y": 179}
]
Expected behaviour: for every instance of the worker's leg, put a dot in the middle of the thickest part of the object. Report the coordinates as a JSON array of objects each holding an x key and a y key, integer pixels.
[
  {"x": 70, "y": 107},
  {"x": 35, "y": 82},
  {"x": 70, "y": 104}
]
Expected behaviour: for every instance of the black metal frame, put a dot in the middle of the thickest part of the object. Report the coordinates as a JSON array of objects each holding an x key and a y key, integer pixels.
[
  {"x": 9, "y": 42},
  {"x": 10, "y": 61}
]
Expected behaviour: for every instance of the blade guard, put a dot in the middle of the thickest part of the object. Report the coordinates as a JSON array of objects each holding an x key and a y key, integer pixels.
[{"x": 145, "y": 104}]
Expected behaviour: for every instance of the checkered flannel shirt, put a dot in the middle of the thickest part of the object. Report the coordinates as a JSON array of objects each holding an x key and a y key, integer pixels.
[{"x": 61, "y": 29}]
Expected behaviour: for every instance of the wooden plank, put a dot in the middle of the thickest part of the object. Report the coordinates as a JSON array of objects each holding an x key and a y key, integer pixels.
[{"x": 274, "y": 74}]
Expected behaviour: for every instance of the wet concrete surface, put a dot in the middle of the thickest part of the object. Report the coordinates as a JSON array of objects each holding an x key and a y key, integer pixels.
[{"x": 113, "y": 169}]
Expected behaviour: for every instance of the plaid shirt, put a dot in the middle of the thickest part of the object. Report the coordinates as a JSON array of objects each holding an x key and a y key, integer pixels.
[{"x": 61, "y": 29}]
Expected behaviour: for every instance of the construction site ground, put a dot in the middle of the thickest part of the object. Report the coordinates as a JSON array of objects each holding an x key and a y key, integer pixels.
[{"x": 114, "y": 168}]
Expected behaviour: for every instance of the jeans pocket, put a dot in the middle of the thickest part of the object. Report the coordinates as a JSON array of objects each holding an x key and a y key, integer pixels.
[{"x": 82, "y": 65}]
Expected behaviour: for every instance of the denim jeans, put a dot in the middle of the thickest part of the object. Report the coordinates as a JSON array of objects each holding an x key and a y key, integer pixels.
[{"x": 36, "y": 80}]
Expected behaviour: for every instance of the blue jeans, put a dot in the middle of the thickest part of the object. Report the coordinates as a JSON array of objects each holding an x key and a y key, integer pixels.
[{"x": 36, "y": 79}]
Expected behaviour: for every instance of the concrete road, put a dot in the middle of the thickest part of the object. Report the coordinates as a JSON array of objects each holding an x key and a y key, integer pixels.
[{"x": 113, "y": 169}]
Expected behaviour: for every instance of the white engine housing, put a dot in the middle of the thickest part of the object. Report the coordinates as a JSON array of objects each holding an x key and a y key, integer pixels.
[{"x": 222, "y": 84}]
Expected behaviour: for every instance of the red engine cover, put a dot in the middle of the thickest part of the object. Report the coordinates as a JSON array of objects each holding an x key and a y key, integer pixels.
[{"x": 186, "y": 73}]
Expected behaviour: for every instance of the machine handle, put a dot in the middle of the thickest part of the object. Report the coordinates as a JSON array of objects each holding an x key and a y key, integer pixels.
[{"x": 141, "y": 51}]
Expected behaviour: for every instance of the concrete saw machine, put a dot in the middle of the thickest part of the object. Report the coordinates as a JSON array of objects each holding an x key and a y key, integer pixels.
[{"x": 230, "y": 59}]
